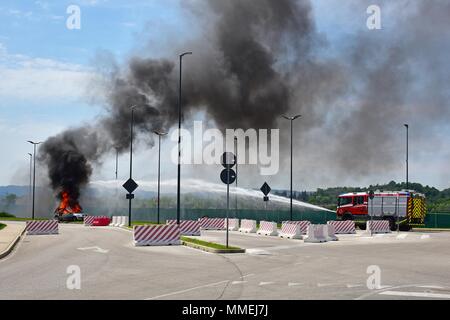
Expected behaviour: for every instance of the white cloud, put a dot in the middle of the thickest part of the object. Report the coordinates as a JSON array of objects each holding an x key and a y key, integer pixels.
[{"x": 30, "y": 78}]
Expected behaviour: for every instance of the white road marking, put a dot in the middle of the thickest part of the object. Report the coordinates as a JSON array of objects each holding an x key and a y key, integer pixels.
[
  {"x": 431, "y": 287},
  {"x": 257, "y": 252},
  {"x": 94, "y": 249},
  {"x": 354, "y": 285},
  {"x": 248, "y": 275},
  {"x": 187, "y": 290},
  {"x": 416, "y": 294},
  {"x": 265, "y": 283},
  {"x": 402, "y": 236},
  {"x": 320, "y": 285},
  {"x": 238, "y": 282},
  {"x": 294, "y": 284},
  {"x": 425, "y": 236}
]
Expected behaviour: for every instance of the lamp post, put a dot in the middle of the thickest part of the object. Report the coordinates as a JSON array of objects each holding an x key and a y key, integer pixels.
[
  {"x": 291, "y": 119},
  {"x": 159, "y": 134},
  {"x": 31, "y": 175},
  {"x": 131, "y": 157},
  {"x": 34, "y": 175},
  {"x": 117, "y": 162},
  {"x": 407, "y": 155},
  {"x": 179, "y": 136},
  {"x": 236, "y": 154}
]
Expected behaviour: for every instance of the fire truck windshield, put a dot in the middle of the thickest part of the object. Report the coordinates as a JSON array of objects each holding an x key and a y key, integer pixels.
[{"x": 344, "y": 201}]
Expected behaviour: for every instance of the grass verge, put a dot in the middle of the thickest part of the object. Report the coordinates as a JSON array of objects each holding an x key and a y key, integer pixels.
[
  {"x": 211, "y": 245},
  {"x": 2, "y": 226}
]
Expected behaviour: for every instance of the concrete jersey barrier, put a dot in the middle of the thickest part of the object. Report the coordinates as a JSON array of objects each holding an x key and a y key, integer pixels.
[
  {"x": 268, "y": 228},
  {"x": 42, "y": 227},
  {"x": 290, "y": 231},
  {"x": 233, "y": 224},
  {"x": 315, "y": 233},
  {"x": 302, "y": 224},
  {"x": 248, "y": 226},
  {"x": 378, "y": 226},
  {"x": 343, "y": 227},
  {"x": 187, "y": 227},
  {"x": 160, "y": 235},
  {"x": 212, "y": 223},
  {"x": 329, "y": 232}
]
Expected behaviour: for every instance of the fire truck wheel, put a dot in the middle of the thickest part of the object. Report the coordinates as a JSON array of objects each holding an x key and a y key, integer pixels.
[
  {"x": 347, "y": 216},
  {"x": 392, "y": 224},
  {"x": 405, "y": 227}
]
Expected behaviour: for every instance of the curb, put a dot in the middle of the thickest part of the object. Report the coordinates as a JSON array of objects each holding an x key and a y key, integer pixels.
[
  {"x": 12, "y": 245},
  {"x": 211, "y": 250},
  {"x": 430, "y": 229}
]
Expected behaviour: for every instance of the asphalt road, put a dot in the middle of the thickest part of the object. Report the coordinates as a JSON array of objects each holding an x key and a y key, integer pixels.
[{"x": 412, "y": 266}]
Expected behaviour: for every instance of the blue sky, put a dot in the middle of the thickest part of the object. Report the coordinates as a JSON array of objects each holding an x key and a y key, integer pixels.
[{"x": 44, "y": 68}]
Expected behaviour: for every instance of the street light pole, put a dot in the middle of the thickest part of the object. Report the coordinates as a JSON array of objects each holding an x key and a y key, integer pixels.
[
  {"x": 131, "y": 162},
  {"x": 159, "y": 134},
  {"x": 117, "y": 162},
  {"x": 407, "y": 156},
  {"x": 236, "y": 154},
  {"x": 179, "y": 137},
  {"x": 291, "y": 119},
  {"x": 31, "y": 175},
  {"x": 34, "y": 176}
]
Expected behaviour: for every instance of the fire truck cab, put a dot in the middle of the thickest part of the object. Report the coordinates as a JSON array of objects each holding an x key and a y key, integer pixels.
[{"x": 406, "y": 208}]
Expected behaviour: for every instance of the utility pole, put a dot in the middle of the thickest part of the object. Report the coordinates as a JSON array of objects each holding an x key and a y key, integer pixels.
[
  {"x": 291, "y": 119},
  {"x": 179, "y": 137},
  {"x": 34, "y": 176}
]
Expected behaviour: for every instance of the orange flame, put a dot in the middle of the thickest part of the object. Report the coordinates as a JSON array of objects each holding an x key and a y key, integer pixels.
[{"x": 68, "y": 205}]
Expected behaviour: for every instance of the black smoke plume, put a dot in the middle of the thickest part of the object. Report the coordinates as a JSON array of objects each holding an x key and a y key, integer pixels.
[{"x": 257, "y": 60}]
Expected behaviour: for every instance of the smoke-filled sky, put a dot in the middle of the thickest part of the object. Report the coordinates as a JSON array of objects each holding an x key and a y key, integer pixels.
[{"x": 253, "y": 61}]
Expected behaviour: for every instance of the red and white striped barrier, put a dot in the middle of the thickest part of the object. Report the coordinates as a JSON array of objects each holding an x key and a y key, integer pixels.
[
  {"x": 329, "y": 232},
  {"x": 343, "y": 227},
  {"x": 248, "y": 226},
  {"x": 212, "y": 223},
  {"x": 316, "y": 233},
  {"x": 187, "y": 227},
  {"x": 233, "y": 224},
  {"x": 101, "y": 222},
  {"x": 268, "y": 228},
  {"x": 378, "y": 226},
  {"x": 161, "y": 235},
  {"x": 89, "y": 220},
  {"x": 302, "y": 224},
  {"x": 290, "y": 231},
  {"x": 42, "y": 227}
]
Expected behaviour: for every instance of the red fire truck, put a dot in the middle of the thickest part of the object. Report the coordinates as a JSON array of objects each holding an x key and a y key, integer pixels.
[{"x": 406, "y": 208}]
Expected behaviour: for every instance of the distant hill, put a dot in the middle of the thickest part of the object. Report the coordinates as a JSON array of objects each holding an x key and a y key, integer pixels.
[{"x": 17, "y": 190}]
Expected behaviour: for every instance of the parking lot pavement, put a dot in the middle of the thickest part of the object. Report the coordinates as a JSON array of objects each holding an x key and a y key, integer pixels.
[{"x": 411, "y": 267}]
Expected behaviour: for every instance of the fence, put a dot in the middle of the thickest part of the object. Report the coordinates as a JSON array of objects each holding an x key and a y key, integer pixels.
[{"x": 437, "y": 220}]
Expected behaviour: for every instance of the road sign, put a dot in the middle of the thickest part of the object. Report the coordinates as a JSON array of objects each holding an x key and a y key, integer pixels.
[
  {"x": 371, "y": 194},
  {"x": 266, "y": 198},
  {"x": 130, "y": 185},
  {"x": 228, "y": 160},
  {"x": 130, "y": 196},
  {"x": 265, "y": 189},
  {"x": 228, "y": 177}
]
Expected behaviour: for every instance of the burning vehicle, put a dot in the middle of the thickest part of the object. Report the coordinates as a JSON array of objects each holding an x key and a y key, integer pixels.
[{"x": 69, "y": 209}]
